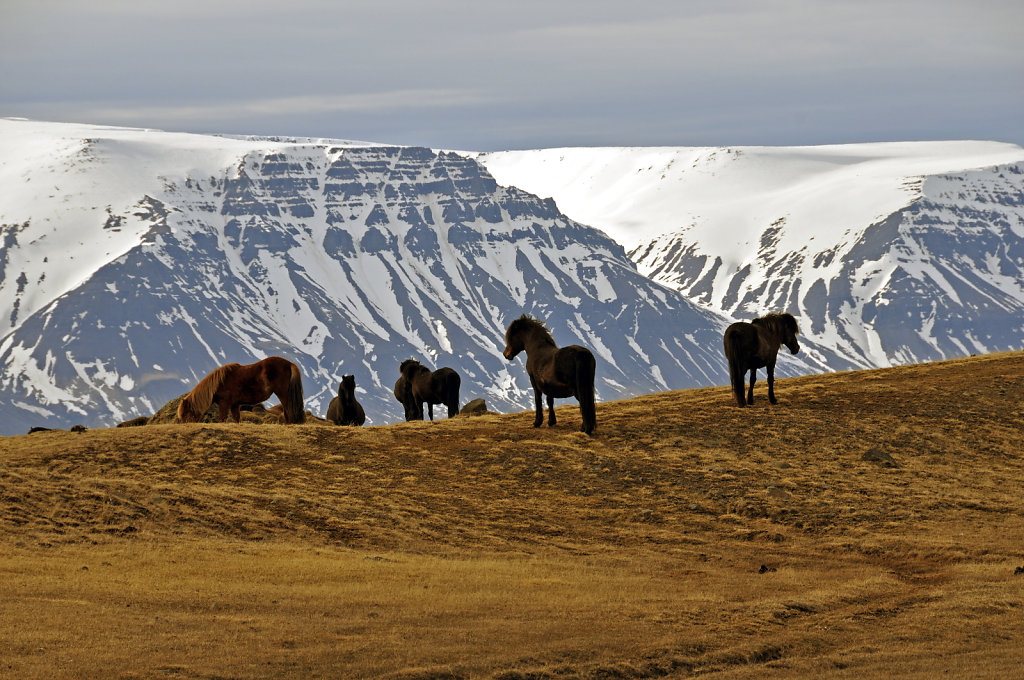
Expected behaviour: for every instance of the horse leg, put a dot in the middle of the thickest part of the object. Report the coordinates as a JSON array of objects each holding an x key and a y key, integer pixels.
[
  {"x": 771, "y": 383},
  {"x": 738, "y": 388},
  {"x": 236, "y": 413},
  {"x": 539, "y": 398},
  {"x": 584, "y": 390},
  {"x": 750, "y": 391},
  {"x": 551, "y": 411},
  {"x": 430, "y": 409}
]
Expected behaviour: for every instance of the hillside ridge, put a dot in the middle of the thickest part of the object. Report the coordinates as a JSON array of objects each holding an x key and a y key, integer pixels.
[
  {"x": 657, "y": 436},
  {"x": 867, "y": 525}
]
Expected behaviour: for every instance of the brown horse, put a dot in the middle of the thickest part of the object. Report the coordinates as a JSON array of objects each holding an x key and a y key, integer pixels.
[
  {"x": 344, "y": 409},
  {"x": 557, "y": 372},
  {"x": 754, "y": 345},
  {"x": 423, "y": 386},
  {"x": 232, "y": 385}
]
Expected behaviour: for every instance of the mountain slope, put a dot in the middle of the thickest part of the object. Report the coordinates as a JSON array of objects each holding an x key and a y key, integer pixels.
[
  {"x": 134, "y": 262},
  {"x": 888, "y": 253}
]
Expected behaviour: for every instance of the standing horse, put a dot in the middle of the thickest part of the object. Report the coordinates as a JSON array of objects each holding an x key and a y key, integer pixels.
[
  {"x": 425, "y": 387},
  {"x": 344, "y": 409},
  {"x": 754, "y": 345},
  {"x": 232, "y": 385},
  {"x": 556, "y": 372}
]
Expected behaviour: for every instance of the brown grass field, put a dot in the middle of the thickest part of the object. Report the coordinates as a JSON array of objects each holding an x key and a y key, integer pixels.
[{"x": 868, "y": 526}]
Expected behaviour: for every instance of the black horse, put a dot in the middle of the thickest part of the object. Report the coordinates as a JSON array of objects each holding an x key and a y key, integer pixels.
[
  {"x": 554, "y": 371},
  {"x": 423, "y": 386},
  {"x": 344, "y": 409},
  {"x": 754, "y": 345}
]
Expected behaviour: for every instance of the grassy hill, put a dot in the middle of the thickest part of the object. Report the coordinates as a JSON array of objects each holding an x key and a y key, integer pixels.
[{"x": 869, "y": 525}]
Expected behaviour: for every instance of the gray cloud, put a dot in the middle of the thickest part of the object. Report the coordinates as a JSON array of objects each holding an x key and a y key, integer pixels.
[{"x": 487, "y": 75}]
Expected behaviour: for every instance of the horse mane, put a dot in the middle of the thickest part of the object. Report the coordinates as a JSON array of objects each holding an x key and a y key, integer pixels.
[
  {"x": 529, "y": 323},
  {"x": 778, "y": 323},
  {"x": 201, "y": 396}
]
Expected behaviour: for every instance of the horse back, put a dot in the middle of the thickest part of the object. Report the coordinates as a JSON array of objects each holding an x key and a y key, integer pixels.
[
  {"x": 444, "y": 380},
  {"x": 276, "y": 369},
  {"x": 565, "y": 369},
  {"x": 742, "y": 345},
  {"x": 568, "y": 360}
]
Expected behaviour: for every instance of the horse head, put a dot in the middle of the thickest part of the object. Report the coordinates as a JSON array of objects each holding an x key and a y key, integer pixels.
[
  {"x": 187, "y": 412},
  {"x": 514, "y": 340},
  {"x": 408, "y": 365},
  {"x": 781, "y": 326},
  {"x": 789, "y": 332},
  {"x": 347, "y": 387},
  {"x": 513, "y": 346}
]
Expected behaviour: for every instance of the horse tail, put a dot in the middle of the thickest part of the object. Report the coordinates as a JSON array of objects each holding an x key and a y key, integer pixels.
[
  {"x": 295, "y": 408},
  {"x": 196, "y": 403},
  {"x": 585, "y": 370},
  {"x": 412, "y": 412},
  {"x": 734, "y": 354},
  {"x": 452, "y": 394}
]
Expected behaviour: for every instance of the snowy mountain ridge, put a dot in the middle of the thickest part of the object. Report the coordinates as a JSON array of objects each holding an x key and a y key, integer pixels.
[
  {"x": 888, "y": 253},
  {"x": 132, "y": 262}
]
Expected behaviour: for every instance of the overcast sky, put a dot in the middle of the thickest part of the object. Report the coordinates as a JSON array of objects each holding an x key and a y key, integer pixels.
[{"x": 482, "y": 75}]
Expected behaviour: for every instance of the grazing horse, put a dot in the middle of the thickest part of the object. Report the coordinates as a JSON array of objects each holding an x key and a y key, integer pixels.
[
  {"x": 557, "y": 372},
  {"x": 232, "y": 385},
  {"x": 425, "y": 387},
  {"x": 344, "y": 409},
  {"x": 754, "y": 345}
]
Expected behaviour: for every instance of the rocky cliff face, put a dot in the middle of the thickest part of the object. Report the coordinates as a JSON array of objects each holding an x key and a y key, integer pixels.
[
  {"x": 161, "y": 257},
  {"x": 938, "y": 278}
]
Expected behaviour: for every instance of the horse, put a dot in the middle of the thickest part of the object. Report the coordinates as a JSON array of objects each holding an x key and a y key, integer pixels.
[
  {"x": 344, "y": 409},
  {"x": 754, "y": 345},
  {"x": 232, "y": 385},
  {"x": 558, "y": 372},
  {"x": 423, "y": 386}
]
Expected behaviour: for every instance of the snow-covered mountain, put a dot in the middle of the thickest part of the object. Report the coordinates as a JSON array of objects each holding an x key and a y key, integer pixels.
[
  {"x": 132, "y": 262},
  {"x": 887, "y": 253}
]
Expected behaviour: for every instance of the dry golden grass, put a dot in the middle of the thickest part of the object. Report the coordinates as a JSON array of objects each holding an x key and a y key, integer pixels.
[{"x": 688, "y": 537}]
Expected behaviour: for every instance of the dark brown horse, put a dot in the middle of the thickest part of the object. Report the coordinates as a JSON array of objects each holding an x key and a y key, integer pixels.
[
  {"x": 423, "y": 386},
  {"x": 233, "y": 385},
  {"x": 754, "y": 345},
  {"x": 344, "y": 409},
  {"x": 557, "y": 372}
]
